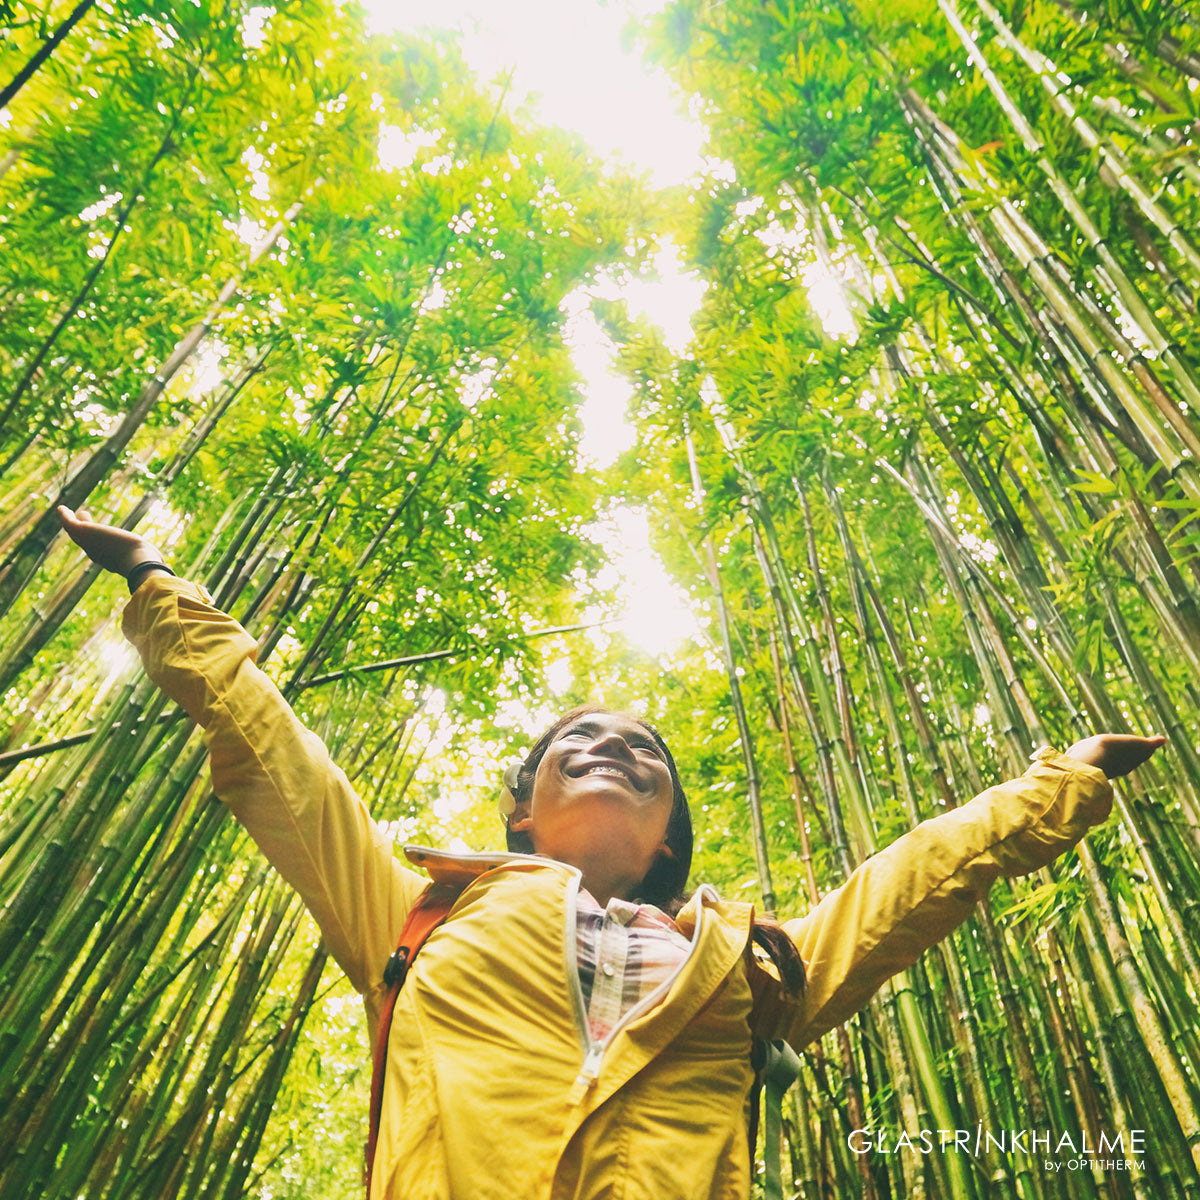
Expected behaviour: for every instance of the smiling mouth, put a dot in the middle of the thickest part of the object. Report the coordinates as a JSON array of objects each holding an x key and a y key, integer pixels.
[{"x": 608, "y": 769}]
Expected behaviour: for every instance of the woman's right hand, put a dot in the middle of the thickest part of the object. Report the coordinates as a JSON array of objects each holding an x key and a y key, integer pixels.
[{"x": 109, "y": 547}]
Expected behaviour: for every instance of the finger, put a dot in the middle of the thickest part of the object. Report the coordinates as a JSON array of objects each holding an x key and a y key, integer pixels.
[
  {"x": 1151, "y": 743},
  {"x": 70, "y": 522},
  {"x": 1140, "y": 749},
  {"x": 84, "y": 515}
]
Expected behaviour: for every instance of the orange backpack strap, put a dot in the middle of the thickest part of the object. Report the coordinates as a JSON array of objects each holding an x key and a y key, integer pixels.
[{"x": 431, "y": 909}]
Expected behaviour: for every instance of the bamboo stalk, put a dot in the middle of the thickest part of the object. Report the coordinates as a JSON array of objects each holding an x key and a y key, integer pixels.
[{"x": 754, "y": 800}]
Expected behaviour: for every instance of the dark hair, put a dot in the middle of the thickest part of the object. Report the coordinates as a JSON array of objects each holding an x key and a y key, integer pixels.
[{"x": 665, "y": 883}]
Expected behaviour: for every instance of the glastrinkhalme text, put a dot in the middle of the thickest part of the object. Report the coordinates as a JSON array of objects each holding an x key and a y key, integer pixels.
[{"x": 1113, "y": 1149}]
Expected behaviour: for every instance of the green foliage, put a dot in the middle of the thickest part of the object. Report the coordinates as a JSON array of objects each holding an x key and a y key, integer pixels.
[
  {"x": 942, "y": 395},
  {"x": 368, "y": 452}
]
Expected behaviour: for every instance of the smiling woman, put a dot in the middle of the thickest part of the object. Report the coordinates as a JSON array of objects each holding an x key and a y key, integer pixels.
[
  {"x": 577, "y": 1026},
  {"x": 598, "y": 772}
]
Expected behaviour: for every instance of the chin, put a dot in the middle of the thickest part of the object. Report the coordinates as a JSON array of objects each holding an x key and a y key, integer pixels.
[{"x": 585, "y": 839}]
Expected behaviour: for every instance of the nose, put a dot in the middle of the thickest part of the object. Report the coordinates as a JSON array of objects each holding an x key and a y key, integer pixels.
[{"x": 611, "y": 745}]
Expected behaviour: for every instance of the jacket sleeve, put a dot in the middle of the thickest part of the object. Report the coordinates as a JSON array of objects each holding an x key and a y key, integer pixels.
[
  {"x": 275, "y": 775},
  {"x": 909, "y": 896}
]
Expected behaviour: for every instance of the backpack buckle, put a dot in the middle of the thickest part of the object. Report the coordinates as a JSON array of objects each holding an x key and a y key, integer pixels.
[{"x": 397, "y": 967}]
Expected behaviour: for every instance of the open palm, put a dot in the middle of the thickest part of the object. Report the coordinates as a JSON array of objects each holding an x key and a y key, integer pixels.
[{"x": 108, "y": 546}]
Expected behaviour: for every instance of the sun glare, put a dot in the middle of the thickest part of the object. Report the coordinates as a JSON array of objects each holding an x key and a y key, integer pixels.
[
  {"x": 657, "y": 616},
  {"x": 573, "y": 66},
  {"x": 666, "y": 298}
]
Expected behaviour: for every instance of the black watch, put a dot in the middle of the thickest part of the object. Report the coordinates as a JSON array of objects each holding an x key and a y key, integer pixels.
[{"x": 142, "y": 570}]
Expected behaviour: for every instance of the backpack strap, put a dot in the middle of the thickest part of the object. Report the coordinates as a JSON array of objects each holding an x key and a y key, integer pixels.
[
  {"x": 758, "y": 1063},
  {"x": 779, "y": 1069},
  {"x": 431, "y": 909}
]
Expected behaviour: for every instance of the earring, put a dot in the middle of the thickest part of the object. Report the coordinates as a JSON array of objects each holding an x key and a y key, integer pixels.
[{"x": 507, "y": 803}]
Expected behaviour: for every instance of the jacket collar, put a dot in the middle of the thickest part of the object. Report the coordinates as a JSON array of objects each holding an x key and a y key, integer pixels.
[
  {"x": 461, "y": 868},
  {"x": 449, "y": 866}
]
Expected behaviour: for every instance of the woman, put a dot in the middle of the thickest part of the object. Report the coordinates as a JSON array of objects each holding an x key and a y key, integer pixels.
[{"x": 576, "y": 1029}]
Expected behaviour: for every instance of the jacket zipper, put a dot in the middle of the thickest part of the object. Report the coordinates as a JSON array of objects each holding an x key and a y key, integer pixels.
[{"x": 593, "y": 1051}]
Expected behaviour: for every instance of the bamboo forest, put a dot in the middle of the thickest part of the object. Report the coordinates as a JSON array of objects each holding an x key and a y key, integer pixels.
[{"x": 289, "y": 291}]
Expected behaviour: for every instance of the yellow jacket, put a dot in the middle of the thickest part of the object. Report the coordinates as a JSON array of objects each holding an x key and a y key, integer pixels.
[{"x": 488, "y": 1093}]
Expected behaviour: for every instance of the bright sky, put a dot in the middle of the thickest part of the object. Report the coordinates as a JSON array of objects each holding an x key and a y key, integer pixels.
[
  {"x": 568, "y": 57},
  {"x": 573, "y": 62},
  {"x": 569, "y": 60}
]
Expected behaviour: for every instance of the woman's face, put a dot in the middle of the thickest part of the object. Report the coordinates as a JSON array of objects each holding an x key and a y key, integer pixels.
[{"x": 603, "y": 789}]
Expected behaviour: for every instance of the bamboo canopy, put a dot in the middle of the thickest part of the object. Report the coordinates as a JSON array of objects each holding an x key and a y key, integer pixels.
[{"x": 927, "y": 470}]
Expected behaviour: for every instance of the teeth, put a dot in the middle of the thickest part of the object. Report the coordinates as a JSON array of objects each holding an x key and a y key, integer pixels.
[{"x": 607, "y": 771}]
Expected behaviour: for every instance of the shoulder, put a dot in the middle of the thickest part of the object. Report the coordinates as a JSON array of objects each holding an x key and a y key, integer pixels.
[{"x": 732, "y": 917}]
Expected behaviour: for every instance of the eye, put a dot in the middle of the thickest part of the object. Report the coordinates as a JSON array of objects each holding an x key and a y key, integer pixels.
[
  {"x": 636, "y": 741},
  {"x": 573, "y": 733}
]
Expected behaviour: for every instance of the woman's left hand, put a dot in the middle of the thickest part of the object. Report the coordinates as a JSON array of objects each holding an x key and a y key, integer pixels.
[{"x": 1115, "y": 754}]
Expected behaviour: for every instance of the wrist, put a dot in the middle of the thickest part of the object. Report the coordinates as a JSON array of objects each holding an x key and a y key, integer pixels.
[
  {"x": 141, "y": 570},
  {"x": 1070, "y": 759},
  {"x": 143, "y": 552}
]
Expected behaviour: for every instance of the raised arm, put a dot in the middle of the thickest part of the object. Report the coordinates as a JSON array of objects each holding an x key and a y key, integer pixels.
[
  {"x": 912, "y": 894},
  {"x": 275, "y": 775}
]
